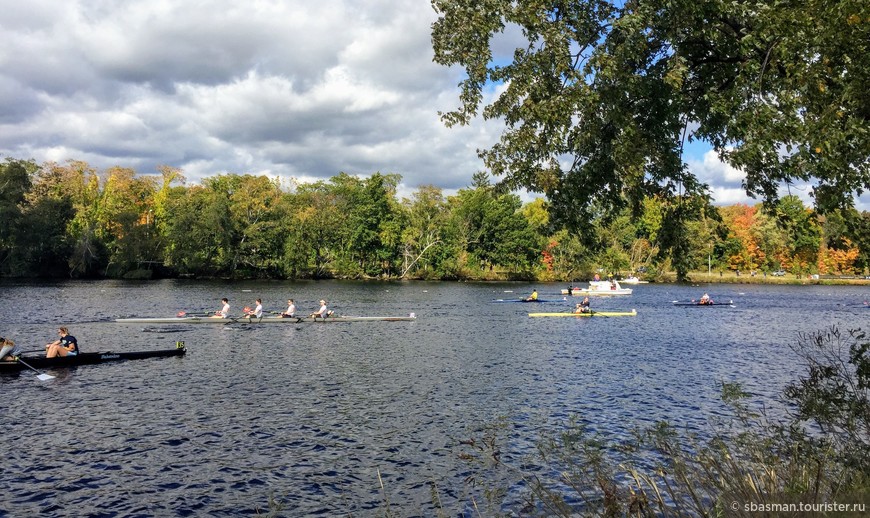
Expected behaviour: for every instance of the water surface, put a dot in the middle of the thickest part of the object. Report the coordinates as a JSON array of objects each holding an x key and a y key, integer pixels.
[{"x": 309, "y": 415}]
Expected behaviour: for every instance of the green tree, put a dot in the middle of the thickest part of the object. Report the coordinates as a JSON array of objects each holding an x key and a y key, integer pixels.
[
  {"x": 256, "y": 207},
  {"x": 70, "y": 195},
  {"x": 599, "y": 98},
  {"x": 423, "y": 237},
  {"x": 15, "y": 183},
  {"x": 858, "y": 229},
  {"x": 374, "y": 222},
  {"x": 124, "y": 219},
  {"x": 199, "y": 228},
  {"x": 491, "y": 229},
  {"x": 804, "y": 233},
  {"x": 317, "y": 222}
]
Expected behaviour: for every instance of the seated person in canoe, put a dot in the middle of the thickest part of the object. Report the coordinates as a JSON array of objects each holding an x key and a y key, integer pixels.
[
  {"x": 225, "y": 310},
  {"x": 66, "y": 345},
  {"x": 291, "y": 309},
  {"x": 257, "y": 312},
  {"x": 8, "y": 350}
]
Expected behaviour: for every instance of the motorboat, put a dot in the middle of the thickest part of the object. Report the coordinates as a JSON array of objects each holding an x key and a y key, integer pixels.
[{"x": 600, "y": 288}]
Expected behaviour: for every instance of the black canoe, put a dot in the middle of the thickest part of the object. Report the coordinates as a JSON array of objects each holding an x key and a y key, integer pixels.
[{"x": 89, "y": 358}]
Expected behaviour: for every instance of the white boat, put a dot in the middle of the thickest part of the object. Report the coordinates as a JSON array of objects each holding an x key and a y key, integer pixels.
[
  {"x": 600, "y": 288},
  {"x": 265, "y": 320},
  {"x": 633, "y": 280}
]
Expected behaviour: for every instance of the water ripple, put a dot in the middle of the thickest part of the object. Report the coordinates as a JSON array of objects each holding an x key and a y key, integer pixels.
[{"x": 316, "y": 417}]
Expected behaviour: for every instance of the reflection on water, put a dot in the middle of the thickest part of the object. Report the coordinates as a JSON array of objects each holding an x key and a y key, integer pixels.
[{"x": 309, "y": 414}]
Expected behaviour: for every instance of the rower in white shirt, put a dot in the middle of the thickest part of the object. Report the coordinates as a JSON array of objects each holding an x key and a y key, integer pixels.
[
  {"x": 225, "y": 311},
  {"x": 257, "y": 312}
]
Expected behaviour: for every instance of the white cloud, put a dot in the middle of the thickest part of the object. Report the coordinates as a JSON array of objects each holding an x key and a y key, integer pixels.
[
  {"x": 713, "y": 171},
  {"x": 291, "y": 88},
  {"x": 288, "y": 88}
]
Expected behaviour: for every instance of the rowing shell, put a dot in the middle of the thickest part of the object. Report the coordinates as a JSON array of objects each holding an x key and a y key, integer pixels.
[
  {"x": 729, "y": 304},
  {"x": 264, "y": 320},
  {"x": 90, "y": 358},
  {"x": 526, "y": 301},
  {"x": 631, "y": 313}
]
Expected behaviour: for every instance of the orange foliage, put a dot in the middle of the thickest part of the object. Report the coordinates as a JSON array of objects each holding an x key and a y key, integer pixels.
[
  {"x": 547, "y": 255},
  {"x": 838, "y": 261},
  {"x": 740, "y": 220}
]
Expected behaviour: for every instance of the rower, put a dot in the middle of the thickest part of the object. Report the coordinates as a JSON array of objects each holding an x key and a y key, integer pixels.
[
  {"x": 533, "y": 296},
  {"x": 8, "y": 347},
  {"x": 705, "y": 299},
  {"x": 66, "y": 345},
  {"x": 257, "y": 312},
  {"x": 225, "y": 310},
  {"x": 323, "y": 312},
  {"x": 291, "y": 309},
  {"x": 583, "y": 307}
]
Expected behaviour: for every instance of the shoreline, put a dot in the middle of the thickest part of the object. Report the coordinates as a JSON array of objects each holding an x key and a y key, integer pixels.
[{"x": 788, "y": 279}]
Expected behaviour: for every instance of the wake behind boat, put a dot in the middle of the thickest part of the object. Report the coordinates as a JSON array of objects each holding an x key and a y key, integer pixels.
[
  {"x": 88, "y": 358},
  {"x": 631, "y": 313},
  {"x": 263, "y": 320}
]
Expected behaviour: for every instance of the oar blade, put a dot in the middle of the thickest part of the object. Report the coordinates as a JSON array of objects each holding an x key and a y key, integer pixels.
[{"x": 44, "y": 377}]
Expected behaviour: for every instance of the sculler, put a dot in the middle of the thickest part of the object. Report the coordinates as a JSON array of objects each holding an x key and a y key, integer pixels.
[
  {"x": 291, "y": 310},
  {"x": 257, "y": 312},
  {"x": 8, "y": 349},
  {"x": 66, "y": 345},
  {"x": 583, "y": 307},
  {"x": 323, "y": 312},
  {"x": 224, "y": 311},
  {"x": 533, "y": 296},
  {"x": 705, "y": 299}
]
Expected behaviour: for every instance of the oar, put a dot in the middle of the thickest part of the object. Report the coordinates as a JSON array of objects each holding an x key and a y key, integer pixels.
[
  {"x": 39, "y": 374},
  {"x": 195, "y": 314}
]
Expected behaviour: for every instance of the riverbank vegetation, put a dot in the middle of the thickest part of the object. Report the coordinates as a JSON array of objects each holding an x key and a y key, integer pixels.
[{"x": 71, "y": 220}]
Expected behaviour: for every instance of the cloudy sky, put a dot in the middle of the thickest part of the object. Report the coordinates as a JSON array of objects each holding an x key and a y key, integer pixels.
[{"x": 297, "y": 89}]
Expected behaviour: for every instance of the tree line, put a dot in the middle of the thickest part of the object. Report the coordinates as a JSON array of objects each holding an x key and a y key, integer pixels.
[{"x": 72, "y": 220}]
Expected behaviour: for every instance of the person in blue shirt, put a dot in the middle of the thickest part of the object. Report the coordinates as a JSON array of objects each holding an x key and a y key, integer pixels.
[{"x": 66, "y": 345}]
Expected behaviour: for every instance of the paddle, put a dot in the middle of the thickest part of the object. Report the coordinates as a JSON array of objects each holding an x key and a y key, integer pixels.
[{"x": 39, "y": 374}]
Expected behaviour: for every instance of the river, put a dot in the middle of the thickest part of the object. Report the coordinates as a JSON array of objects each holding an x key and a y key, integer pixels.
[{"x": 311, "y": 415}]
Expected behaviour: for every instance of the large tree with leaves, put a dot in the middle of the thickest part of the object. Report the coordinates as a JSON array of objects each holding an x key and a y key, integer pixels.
[{"x": 599, "y": 97}]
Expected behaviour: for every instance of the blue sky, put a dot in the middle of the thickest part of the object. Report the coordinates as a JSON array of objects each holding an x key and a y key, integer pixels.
[{"x": 290, "y": 89}]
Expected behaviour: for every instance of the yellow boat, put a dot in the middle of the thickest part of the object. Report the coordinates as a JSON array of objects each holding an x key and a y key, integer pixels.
[{"x": 631, "y": 313}]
